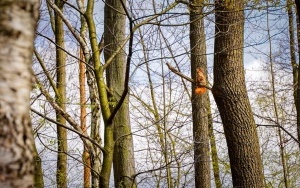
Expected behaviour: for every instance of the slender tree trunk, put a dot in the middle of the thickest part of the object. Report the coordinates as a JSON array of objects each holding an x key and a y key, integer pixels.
[
  {"x": 298, "y": 80},
  {"x": 292, "y": 46},
  {"x": 61, "y": 173},
  {"x": 82, "y": 82},
  {"x": 230, "y": 94},
  {"x": 85, "y": 155},
  {"x": 38, "y": 171},
  {"x": 199, "y": 102},
  {"x": 17, "y": 27},
  {"x": 104, "y": 176},
  {"x": 114, "y": 35},
  {"x": 213, "y": 146},
  {"x": 272, "y": 71},
  {"x": 94, "y": 153}
]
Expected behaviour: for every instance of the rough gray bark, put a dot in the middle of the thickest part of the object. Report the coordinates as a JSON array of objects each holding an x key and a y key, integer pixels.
[
  {"x": 230, "y": 94},
  {"x": 17, "y": 27}
]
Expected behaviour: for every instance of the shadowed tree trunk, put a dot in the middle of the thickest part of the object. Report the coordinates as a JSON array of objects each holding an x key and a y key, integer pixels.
[
  {"x": 298, "y": 80},
  {"x": 199, "y": 102},
  {"x": 114, "y": 35},
  {"x": 230, "y": 94},
  {"x": 17, "y": 27},
  {"x": 61, "y": 173},
  {"x": 292, "y": 46}
]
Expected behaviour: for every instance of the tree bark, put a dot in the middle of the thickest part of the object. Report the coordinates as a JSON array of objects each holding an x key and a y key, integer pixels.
[
  {"x": 17, "y": 27},
  {"x": 114, "y": 35},
  {"x": 85, "y": 155},
  {"x": 38, "y": 171},
  {"x": 61, "y": 173},
  {"x": 292, "y": 46},
  {"x": 213, "y": 147},
  {"x": 94, "y": 152},
  {"x": 230, "y": 94},
  {"x": 298, "y": 80},
  {"x": 199, "y": 102}
]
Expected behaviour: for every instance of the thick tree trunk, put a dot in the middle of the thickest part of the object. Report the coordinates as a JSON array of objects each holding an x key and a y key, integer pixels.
[
  {"x": 230, "y": 94},
  {"x": 17, "y": 27},
  {"x": 199, "y": 102},
  {"x": 114, "y": 35},
  {"x": 61, "y": 173}
]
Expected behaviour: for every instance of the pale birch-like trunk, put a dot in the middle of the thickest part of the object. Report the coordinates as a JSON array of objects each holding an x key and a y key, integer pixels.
[{"x": 17, "y": 25}]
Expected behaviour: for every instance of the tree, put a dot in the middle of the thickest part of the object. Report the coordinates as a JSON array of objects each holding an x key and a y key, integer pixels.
[
  {"x": 61, "y": 173},
  {"x": 114, "y": 36},
  {"x": 38, "y": 171},
  {"x": 17, "y": 25},
  {"x": 230, "y": 94},
  {"x": 298, "y": 79},
  {"x": 199, "y": 102}
]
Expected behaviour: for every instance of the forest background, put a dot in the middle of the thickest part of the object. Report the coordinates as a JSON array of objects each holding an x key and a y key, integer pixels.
[{"x": 111, "y": 105}]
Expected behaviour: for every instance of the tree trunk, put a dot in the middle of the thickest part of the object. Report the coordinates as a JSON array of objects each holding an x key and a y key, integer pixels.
[
  {"x": 38, "y": 171},
  {"x": 275, "y": 106},
  {"x": 199, "y": 102},
  {"x": 114, "y": 35},
  {"x": 17, "y": 27},
  {"x": 298, "y": 81},
  {"x": 230, "y": 94},
  {"x": 94, "y": 153},
  {"x": 85, "y": 155},
  {"x": 213, "y": 146},
  {"x": 104, "y": 176},
  {"x": 61, "y": 173},
  {"x": 292, "y": 46}
]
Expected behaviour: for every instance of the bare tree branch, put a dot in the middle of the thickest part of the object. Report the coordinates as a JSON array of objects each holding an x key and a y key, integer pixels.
[{"x": 184, "y": 76}]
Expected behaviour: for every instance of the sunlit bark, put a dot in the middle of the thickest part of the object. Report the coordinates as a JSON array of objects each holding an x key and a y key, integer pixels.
[
  {"x": 199, "y": 102},
  {"x": 230, "y": 94}
]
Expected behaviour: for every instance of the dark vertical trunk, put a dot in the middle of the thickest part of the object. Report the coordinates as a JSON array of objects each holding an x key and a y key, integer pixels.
[
  {"x": 292, "y": 46},
  {"x": 298, "y": 81},
  {"x": 230, "y": 94},
  {"x": 199, "y": 102}
]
